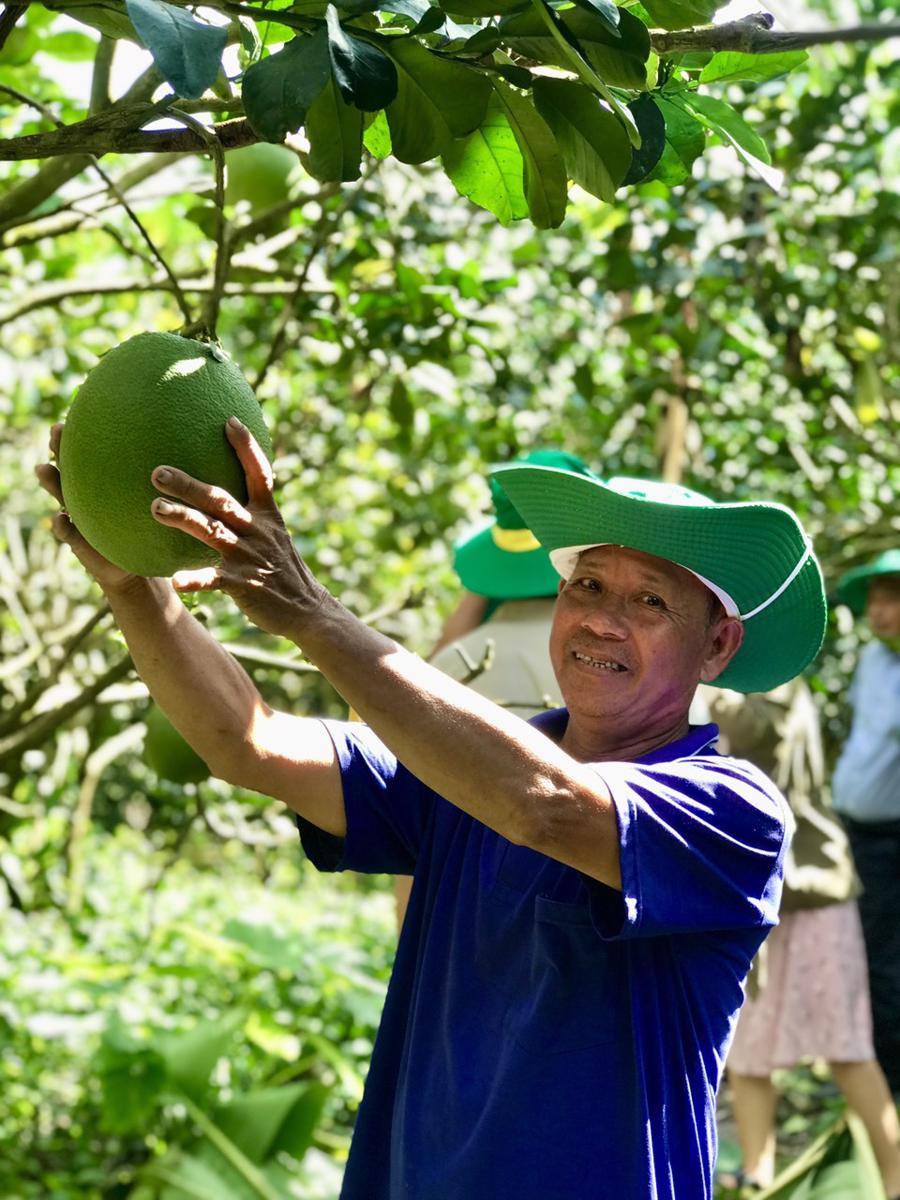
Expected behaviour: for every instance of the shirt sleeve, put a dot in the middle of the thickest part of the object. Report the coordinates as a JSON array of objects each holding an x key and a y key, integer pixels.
[
  {"x": 701, "y": 848},
  {"x": 387, "y": 809}
]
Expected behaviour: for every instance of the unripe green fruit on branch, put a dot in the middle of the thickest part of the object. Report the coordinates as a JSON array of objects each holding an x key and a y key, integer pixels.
[
  {"x": 259, "y": 174},
  {"x": 168, "y": 754},
  {"x": 157, "y": 400}
]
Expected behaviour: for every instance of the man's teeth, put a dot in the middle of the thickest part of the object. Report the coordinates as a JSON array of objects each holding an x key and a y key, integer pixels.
[{"x": 602, "y": 663}]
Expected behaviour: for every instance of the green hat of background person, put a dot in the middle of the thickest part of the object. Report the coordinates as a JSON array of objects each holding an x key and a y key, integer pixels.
[
  {"x": 853, "y": 587},
  {"x": 755, "y": 557},
  {"x": 503, "y": 559}
]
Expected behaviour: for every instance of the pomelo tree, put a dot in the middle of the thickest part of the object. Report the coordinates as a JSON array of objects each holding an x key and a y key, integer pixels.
[{"x": 699, "y": 323}]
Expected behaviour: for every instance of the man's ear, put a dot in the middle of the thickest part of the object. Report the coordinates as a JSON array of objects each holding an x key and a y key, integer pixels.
[
  {"x": 562, "y": 584},
  {"x": 726, "y": 636}
]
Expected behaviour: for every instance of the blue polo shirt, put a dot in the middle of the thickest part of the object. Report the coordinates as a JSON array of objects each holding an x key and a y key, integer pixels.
[{"x": 546, "y": 1037}]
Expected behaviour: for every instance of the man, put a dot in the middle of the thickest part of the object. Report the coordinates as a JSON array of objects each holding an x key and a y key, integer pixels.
[
  {"x": 866, "y": 790},
  {"x": 588, "y": 892}
]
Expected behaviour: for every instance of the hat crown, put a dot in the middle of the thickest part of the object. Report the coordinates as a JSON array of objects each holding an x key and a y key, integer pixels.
[
  {"x": 655, "y": 490},
  {"x": 506, "y": 514}
]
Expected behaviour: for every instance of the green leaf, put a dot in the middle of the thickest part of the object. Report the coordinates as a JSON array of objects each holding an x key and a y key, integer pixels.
[
  {"x": 279, "y": 91},
  {"x": 724, "y": 120},
  {"x": 190, "y": 1057},
  {"x": 108, "y": 16},
  {"x": 437, "y": 100},
  {"x": 482, "y": 8},
  {"x": 377, "y": 137},
  {"x": 545, "y": 173},
  {"x": 335, "y": 132},
  {"x": 652, "y": 127},
  {"x": 132, "y": 1075},
  {"x": 594, "y": 143},
  {"x": 730, "y": 65},
  {"x": 685, "y": 141},
  {"x": 187, "y": 52},
  {"x": 605, "y": 10},
  {"x": 618, "y": 60},
  {"x": 366, "y": 77},
  {"x": 681, "y": 14},
  {"x": 487, "y": 167},
  {"x": 70, "y": 46},
  {"x": 269, "y": 1120}
]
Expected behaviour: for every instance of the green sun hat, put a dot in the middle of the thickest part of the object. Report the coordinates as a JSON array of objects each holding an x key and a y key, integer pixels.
[
  {"x": 503, "y": 559},
  {"x": 754, "y": 556},
  {"x": 853, "y": 587}
]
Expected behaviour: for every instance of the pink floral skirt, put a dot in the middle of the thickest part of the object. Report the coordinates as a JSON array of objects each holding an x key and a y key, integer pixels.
[{"x": 814, "y": 1002}]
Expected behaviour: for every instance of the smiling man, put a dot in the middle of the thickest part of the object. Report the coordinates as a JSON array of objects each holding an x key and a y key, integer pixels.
[{"x": 589, "y": 887}]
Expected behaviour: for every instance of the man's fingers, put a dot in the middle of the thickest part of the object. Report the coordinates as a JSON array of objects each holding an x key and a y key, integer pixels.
[
  {"x": 213, "y": 501},
  {"x": 55, "y": 439},
  {"x": 202, "y": 526},
  {"x": 257, "y": 469},
  {"x": 48, "y": 478},
  {"x": 196, "y": 581}
]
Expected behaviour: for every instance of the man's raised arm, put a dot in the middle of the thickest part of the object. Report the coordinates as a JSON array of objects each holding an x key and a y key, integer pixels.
[{"x": 206, "y": 694}]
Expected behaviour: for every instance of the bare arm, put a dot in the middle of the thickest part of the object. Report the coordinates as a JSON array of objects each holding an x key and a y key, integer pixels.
[
  {"x": 206, "y": 694},
  {"x": 467, "y": 615},
  {"x": 481, "y": 758}
]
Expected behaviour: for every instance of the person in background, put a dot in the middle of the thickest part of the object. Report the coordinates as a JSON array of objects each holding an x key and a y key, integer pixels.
[
  {"x": 808, "y": 995},
  {"x": 866, "y": 789}
]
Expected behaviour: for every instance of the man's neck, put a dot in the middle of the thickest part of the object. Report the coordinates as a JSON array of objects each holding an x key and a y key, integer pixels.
[{"x": 588, "y": 740}]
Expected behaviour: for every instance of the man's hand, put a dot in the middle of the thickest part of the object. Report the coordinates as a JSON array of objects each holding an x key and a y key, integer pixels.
[
  {"x": 109, "y": 577},
  {"x": 259, "y": 569}
]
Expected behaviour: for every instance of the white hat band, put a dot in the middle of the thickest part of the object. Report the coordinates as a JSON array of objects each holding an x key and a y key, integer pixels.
[{"x": 565, "y": 557}]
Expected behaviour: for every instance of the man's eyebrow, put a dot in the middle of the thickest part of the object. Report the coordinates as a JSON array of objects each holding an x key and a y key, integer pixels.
[{"x": 649, "y": 577}]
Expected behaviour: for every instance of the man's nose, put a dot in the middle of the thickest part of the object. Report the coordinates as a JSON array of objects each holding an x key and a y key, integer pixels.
[{"x": 607, "y": 617}]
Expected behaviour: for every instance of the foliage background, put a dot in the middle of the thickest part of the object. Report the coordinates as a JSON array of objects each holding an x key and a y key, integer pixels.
[{"x": 713, "y": 330}]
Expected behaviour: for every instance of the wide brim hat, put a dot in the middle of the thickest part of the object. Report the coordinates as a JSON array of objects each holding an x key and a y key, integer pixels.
[
  {"x": 502, "y": 559},
  {"x": 754, "y": 556},
  {"x": 853, "y": 587}
]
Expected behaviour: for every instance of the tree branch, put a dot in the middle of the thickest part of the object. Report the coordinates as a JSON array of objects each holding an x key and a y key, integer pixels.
[
  {"x": 86, "y": 137},
  {"x": 8, "y": 18},
  {"x": 754, "y": 35},
  {"x": 55, "y": 294}
]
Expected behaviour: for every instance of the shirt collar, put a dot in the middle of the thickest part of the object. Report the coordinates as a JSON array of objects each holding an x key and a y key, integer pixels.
[{"x": 700, "y": 739}]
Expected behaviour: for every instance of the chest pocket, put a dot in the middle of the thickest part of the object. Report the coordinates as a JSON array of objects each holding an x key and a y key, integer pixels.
[{"x": 554, "y": 985}]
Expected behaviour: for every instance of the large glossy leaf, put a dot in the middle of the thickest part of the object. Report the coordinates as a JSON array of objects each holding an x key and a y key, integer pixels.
[
  {"x": 482, "y": 8},
  {"x": 719, "y": 116},
  {"x": 606, "y": 10},
  {"x": 263, "y": 1122},
  {"x": 545, "y": 172},
  {"x": 729, "y": 65},
  {"x": 681, "y": 14},
  {"x": 652, "y": 128},
  {"x": 365, "y": 76},
  {"x": 279, "y": 90},
  {"x": 594, "y": 143},
  {"x": 437, "y": 100},
  {"x": 487, "y": 166},
  {"x": 187, "y": 52},
  {"x": 685, "y": 141},
  {"x": 335, "y": 132},
  {"x": 618, "y": 60}
]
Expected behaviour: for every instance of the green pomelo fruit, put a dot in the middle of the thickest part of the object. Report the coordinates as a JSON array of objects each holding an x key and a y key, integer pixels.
[
  {"x": 158, "y": 399},
  {"x": 259, "y": 174},
  {"x": 168, "y": 754}
]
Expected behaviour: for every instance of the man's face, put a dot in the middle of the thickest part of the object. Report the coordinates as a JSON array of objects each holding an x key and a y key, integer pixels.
[
  {"x": 883, "y": 608},
  {"x": 632, "y": 637}
]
